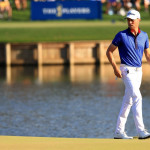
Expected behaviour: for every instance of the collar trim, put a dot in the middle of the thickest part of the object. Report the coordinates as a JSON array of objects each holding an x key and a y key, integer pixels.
[{"x": 132, "y": 31}]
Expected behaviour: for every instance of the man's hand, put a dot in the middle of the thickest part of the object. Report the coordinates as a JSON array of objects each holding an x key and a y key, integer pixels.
[{"x": 117, "y": 72}]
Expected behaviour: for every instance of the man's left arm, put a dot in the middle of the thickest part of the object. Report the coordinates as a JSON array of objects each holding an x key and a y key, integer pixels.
[{"x": 147, "y": 54}]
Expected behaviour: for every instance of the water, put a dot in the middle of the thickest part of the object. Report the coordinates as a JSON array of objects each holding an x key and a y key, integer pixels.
[{"x": 56, "y": 101}]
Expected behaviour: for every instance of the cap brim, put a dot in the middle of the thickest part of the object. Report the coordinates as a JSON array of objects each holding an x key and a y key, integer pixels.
[{"x": 131, "y": 17}]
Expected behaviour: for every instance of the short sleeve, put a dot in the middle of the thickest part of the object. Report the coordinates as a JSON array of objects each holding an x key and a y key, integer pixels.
[
  {"x": 147, "y": 42},
  {"x": 117, "y": 40}
]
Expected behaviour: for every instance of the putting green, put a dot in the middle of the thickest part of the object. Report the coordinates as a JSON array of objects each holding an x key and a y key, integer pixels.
[{"x": 45, "y": 143}]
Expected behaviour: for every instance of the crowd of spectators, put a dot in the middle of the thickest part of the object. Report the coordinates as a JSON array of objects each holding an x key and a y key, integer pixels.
[
  {"x": 112, "y": 6},
  {"x": 121, "y": 6},
  {"x": 118, "y": 6},
  {"x": 6, "y": 7}
]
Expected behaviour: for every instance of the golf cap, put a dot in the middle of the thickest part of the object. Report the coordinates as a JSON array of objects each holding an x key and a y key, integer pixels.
[{"x": 133, "y": 14}]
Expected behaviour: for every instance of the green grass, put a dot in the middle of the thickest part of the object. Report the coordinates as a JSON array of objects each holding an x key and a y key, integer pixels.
[
  {"x": 22, "y": 29},
  {"x": 56, "y": 31}
]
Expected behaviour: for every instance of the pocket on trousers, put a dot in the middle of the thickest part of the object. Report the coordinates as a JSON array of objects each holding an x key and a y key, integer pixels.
[{"x": 124, "y": 71}]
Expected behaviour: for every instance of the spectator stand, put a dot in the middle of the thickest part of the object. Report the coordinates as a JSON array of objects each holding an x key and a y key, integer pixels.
[{"x": 5, "y": 9}]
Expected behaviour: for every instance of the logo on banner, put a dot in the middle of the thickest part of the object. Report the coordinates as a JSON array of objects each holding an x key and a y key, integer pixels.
[{"x": 59, "y": 10}]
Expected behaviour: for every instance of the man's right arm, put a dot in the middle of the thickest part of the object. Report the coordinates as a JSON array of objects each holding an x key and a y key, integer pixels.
[{"x": 111, "y": 59}]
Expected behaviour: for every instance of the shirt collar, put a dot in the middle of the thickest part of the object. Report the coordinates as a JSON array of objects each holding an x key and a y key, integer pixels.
[{"x": 132, "y": 31}]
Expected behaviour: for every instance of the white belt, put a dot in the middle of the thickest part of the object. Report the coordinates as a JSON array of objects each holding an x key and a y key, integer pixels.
[{"x": 130, "y": 67}]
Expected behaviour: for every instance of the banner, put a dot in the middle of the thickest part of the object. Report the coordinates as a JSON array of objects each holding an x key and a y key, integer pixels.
[{"x": 66, "y": 10}]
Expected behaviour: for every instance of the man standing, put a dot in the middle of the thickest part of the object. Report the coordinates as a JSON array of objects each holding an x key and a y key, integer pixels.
[{"x": 131, "y": 43}]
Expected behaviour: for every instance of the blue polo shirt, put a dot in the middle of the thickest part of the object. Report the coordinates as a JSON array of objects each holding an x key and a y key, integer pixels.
[{"x": 131, "y": 47}]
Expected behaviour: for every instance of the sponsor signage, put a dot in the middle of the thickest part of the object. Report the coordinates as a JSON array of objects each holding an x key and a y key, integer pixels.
[{"x": 46, "y": 10}]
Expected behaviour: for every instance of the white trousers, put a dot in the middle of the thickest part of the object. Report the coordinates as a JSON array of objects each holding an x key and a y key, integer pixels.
[{"x": 131, "y": 77}]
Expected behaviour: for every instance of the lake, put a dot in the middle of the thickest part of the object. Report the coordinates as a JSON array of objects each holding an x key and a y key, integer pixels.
[{"x": 80, "y": 101}]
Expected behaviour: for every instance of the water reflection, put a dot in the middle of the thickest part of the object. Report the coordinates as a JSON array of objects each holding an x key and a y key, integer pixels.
[
  {"x": 83, "y": 73},
  {"x": 74, "y": 74},
  {"x": 19, "y": 74},
  {"x": 46, "y": 74},
  {"x": 64, "y": 101},
  {"x": 53, "y": 73}
]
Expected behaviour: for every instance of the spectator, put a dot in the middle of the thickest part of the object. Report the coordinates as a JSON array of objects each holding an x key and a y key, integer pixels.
[
  {"x": 113, "y": 6},
  {"x": 146, "y": 5},
  {"x": 127, "y": 4},
  {"x": 5, "y": 7},
  {"x": 137, "y": 4},
  {"x": 21, "y": 4}
]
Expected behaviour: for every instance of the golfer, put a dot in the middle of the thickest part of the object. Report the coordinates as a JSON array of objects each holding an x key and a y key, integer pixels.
[{"x": 131, "y": 43}]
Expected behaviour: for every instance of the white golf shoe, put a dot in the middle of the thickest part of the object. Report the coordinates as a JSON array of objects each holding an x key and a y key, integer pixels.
[
  {"x": 122, "y": 135},
  {"x": 144, "y": 134}
]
